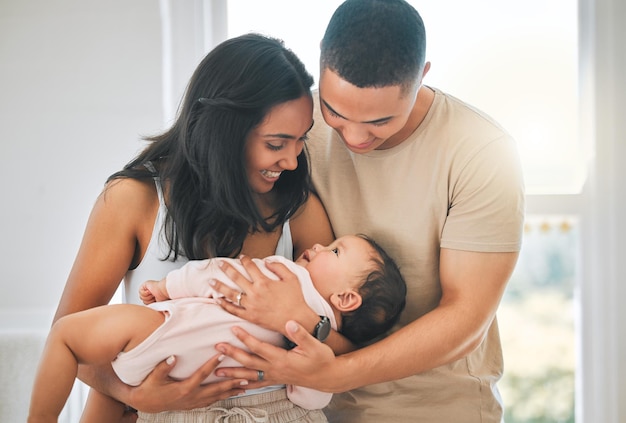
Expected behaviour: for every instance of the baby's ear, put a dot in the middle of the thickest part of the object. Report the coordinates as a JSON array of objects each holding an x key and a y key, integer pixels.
[{"x": 347, "y": 300}]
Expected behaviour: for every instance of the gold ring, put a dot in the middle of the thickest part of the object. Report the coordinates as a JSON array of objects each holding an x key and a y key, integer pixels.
[{"x": 239, "y": 299}]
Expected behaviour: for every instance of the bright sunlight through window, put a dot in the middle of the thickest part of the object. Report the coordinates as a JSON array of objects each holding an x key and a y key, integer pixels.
[{"x": 516, "y": 61}]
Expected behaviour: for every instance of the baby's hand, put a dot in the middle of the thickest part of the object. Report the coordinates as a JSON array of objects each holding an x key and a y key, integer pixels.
[{"x": 151, "y": 291}]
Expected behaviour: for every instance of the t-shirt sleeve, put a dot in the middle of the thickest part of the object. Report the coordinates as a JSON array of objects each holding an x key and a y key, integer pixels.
[{"x": 486, "y": 204}]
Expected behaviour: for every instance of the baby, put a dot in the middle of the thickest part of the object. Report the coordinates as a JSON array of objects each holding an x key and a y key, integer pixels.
[{"x": 353, "y": 285}]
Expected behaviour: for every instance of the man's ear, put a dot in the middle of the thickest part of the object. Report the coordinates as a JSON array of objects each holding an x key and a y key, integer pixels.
[
  {"x": 424, "y": 71},
  {"x": 347, "y": 300}
]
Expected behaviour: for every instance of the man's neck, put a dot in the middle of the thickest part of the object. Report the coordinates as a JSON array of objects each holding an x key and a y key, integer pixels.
[{"x": 425, "y": 98}]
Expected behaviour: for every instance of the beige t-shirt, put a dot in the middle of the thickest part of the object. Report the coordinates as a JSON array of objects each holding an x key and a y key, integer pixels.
[{"x": 454, "y": 183}]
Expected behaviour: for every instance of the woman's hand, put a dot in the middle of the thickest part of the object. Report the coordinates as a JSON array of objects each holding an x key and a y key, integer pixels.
[
  {"x": 311, "y": 364},
  {"x": 266, "y": 302},
  {"x": 158, "y": 392}
]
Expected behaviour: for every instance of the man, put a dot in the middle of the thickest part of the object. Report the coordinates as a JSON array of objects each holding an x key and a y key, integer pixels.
[{"x": 439, "y": 184}]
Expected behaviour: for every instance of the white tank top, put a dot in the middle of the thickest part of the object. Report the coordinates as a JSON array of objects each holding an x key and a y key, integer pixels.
[{"x": 153, "y": 266}]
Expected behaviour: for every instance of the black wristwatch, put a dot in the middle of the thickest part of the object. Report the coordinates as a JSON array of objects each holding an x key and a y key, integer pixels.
[
  {"x": 322, "y": 329},
  {"x": 321, "y": 332}
]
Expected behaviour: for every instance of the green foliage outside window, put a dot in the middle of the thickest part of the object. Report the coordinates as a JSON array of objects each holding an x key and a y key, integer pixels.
[{"x": 536, "y": 320}]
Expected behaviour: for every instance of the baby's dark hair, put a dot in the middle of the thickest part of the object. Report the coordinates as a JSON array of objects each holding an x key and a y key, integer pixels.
[{"x": 383, "y": 298}]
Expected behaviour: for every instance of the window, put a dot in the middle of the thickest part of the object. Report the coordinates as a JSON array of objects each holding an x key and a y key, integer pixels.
[
  {"x": 536, "y": 320},
  {"x": 519, "y": 63}
]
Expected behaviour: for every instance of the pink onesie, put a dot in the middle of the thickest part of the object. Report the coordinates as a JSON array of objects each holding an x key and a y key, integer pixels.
[{"x": 194, "y": 323}]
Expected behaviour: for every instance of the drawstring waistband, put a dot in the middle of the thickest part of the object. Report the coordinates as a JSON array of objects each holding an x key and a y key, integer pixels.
[{"x": 252, "y": 415}]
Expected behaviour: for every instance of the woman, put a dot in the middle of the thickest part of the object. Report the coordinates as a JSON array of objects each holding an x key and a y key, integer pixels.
[{"x": 229, "y": 177}]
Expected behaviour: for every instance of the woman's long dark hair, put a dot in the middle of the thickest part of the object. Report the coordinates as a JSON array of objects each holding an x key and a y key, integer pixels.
[{"x": 201, "y": 160}]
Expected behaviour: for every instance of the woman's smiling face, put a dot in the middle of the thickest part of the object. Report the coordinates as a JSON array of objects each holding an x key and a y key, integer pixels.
[{"x": 274, "y": 145}]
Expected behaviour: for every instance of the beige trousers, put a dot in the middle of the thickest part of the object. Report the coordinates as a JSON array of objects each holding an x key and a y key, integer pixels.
[{"x": 268, "y": 407}]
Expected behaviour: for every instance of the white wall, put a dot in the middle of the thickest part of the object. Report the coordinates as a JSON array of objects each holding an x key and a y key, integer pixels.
[{"x": 80, "y": 83}]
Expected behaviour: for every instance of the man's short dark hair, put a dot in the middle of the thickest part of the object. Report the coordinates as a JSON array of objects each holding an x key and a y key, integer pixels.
[{"x": 375, "y": 43}]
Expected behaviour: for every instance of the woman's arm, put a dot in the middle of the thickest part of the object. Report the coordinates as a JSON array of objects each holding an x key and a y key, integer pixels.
[
  {"x": 310, "y": 225},
  {"x": 117, "y": 235},
  {"x": 100, "y": 408},
  {"x": 114, "y": 241}
]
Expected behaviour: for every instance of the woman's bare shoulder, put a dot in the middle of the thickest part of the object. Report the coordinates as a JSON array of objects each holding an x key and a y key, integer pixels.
[
  {"x": 128, "y": 203},
  {"x": 129, "y": 194}
]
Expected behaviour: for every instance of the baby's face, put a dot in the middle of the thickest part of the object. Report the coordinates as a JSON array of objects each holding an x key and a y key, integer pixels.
[{"x": 339, "y": 265}]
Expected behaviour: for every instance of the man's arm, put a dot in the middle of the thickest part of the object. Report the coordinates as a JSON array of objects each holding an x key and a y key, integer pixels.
[{"x": 472, "y": 286}]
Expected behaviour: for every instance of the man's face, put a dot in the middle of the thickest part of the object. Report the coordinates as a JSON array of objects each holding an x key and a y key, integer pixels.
[{"x": 366, "y": 118}]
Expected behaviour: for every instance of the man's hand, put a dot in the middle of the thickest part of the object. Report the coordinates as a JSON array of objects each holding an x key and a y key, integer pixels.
[{"x": 311, "y": 364}]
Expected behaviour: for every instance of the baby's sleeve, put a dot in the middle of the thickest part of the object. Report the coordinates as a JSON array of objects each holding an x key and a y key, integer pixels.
[
  {"x": 308, "y": 398},
  {"x": 192, "y": 279}
]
